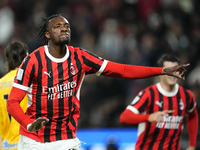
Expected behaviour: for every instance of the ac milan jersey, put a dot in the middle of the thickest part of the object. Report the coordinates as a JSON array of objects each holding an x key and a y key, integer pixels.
[
  {"x": 163, "y": 135},
  {"x": 53, "y": 89}
]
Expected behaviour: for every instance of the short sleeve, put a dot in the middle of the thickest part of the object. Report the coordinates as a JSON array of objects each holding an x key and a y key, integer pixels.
[
  {"x": 140, "y": 102},
  {"x": 25, "y": 73},
  {"x": 93, "y": 63}
]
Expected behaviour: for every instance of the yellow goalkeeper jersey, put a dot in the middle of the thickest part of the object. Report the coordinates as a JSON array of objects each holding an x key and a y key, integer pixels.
[{"x": 9, "y": 127}]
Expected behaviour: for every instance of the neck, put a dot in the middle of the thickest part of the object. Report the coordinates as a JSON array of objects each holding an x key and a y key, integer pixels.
[
  {"x": 57, "y": 51},
  {"x": 168, "y": 88}
]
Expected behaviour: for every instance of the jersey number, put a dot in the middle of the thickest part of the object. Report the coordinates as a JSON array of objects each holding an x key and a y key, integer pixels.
[{"x": 5, "y": 96}]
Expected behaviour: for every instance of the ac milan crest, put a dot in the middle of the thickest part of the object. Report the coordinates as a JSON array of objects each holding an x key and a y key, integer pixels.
[
  {"x": 181, "y": 104},
  {"x": 72, "y": 70}
]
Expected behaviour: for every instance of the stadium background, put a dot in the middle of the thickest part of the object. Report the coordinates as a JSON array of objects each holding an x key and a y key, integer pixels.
[{"x": 125, "y": 31}]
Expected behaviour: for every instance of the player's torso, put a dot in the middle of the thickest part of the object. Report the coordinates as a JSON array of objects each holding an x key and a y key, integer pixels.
[
  {"x": 54, "y": 90},
  {"x": 54, "y": 94},
  {"x": 165, "y": 134},
  {"x": 55, "y": 84}
]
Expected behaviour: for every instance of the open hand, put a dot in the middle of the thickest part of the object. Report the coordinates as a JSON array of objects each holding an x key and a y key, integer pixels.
[
  {"x": 176, "y": 71},
  {"x": 38, "y": 124}
]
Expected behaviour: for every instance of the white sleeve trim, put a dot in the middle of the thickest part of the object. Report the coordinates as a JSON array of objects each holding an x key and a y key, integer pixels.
[
  {"x": 189, "y": 111},
  {"x": 19, "y": 86},
  {"x": 78, "y": 92},
  {"x": 133, "y": 109},
  {"x": 98, "y": 73}
]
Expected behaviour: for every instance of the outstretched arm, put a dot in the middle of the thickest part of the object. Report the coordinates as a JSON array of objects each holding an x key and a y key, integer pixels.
[{"x": 138, "y": 72}]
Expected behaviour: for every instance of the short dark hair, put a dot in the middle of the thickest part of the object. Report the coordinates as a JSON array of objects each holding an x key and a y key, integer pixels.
[
  {"x": 43, "y": 27},
  {"x": 15, "y": 52},
  {"x": 167, "y": 57}
]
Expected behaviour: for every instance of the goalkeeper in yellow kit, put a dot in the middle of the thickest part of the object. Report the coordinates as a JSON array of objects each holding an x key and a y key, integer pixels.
[{"x": 15, "y": 52}]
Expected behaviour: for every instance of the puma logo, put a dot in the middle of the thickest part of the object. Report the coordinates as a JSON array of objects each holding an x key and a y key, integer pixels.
[
  {"x": 159, "y": 103},
  {"x": 48, "y": 73}
]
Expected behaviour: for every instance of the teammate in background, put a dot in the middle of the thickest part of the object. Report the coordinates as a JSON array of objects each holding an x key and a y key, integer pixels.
[
  {"x": 159, "y": 110},
  {"x": 14, "y": 53},
  {"x": 52, "y": 76}
]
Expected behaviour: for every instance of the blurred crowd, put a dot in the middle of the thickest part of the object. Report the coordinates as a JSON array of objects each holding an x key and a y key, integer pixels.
[{"x": 125, "y": 31}]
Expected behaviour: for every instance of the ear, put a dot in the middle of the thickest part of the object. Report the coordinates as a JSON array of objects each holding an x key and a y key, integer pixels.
[{"x": 47, "y": 35}]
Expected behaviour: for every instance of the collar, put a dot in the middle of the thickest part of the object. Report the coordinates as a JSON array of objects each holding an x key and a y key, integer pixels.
[
  {"x": 58, "y": 60},
  {"x": 165, "y": 93}
]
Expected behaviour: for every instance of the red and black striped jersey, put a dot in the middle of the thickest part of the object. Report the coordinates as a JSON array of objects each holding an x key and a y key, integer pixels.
[
  {"x": 53, "y": 89},
  {"x": 163, "y": 135}
]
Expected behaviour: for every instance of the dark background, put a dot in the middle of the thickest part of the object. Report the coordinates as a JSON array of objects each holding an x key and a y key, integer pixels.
[{"x": 126, "y": 31}]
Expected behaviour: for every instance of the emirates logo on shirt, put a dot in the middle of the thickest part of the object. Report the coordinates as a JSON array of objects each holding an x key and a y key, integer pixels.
[
  {"x": 170, "y": 122},
  {"x": 72, "y": 70},
  {"x": 59, "y": 90}
]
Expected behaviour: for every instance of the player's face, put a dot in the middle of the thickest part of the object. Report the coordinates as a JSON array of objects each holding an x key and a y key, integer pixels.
[
  {"x": 58, "y": 31},
  {"x": 169, "y": 80}
]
